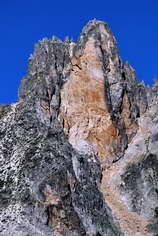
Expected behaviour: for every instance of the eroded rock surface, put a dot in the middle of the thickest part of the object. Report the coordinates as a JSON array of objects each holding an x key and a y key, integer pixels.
[
  {"x": 78, "y": 151},
  {"x": 46, "y": 187},
  {"x": 134, "y": 180}
]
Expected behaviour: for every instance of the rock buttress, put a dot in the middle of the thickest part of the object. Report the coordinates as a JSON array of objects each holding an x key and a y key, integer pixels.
[
  {"x": 98, "y": 103},
  {"x": 86, "y": 85},
  {"x": 81, "y": 110}
]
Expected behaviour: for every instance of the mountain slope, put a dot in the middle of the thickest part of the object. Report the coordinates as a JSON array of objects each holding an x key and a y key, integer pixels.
[{"x": 78, "y": 151}]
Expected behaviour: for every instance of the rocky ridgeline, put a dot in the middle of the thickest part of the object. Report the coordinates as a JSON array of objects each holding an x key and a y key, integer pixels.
[{"x": 78, "y": 151}]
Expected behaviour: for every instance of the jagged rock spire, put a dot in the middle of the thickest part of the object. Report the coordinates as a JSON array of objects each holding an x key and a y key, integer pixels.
[{"x": 78, "y": 152}]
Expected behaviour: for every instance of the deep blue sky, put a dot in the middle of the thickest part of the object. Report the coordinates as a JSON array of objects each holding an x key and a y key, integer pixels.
[{"x": 23, "y": 22}]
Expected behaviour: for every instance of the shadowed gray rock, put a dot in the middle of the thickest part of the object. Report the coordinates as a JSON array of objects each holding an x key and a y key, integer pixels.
[{"x": 44, "y": 182}]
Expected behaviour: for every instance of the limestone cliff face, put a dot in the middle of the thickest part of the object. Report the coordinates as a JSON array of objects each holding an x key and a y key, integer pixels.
[
  {"x": 105, "y": 117},
  {"x": 78, "y": 151}
]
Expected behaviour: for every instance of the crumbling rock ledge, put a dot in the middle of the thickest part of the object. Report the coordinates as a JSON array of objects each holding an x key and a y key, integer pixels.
[{"x": 76, "y": 156}]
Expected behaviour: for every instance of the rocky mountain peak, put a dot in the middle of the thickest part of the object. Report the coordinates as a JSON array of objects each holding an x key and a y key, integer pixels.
[
  {"x": 88, "y": 73},
  {"x": 78, "y": 151}
]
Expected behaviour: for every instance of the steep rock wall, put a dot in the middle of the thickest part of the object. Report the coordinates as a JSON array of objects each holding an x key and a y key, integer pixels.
[{"x": 78, "y": 152}]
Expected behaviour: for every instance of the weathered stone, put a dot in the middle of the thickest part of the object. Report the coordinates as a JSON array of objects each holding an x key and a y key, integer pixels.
[
  {"x": 98, "y": 85},
  {"x": 78, "y": 152},
  {"x": 134, "y": 180},
  {"x": 42, "y": 175}
]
